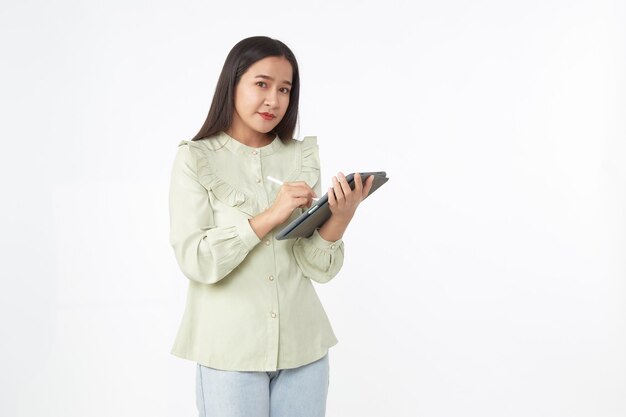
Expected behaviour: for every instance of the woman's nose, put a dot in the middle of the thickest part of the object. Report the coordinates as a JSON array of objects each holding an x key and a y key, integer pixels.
[{"x": 271, "y": 98}]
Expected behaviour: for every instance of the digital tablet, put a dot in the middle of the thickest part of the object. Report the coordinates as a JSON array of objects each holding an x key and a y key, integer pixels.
[{"x": 313, "y": 218}]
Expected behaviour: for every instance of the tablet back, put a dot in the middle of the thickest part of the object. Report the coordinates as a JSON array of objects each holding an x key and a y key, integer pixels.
[{"x": 314, "y": 217}]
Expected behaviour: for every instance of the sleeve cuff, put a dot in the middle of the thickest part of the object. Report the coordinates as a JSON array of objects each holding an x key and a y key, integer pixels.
[
  {"x": 247, "y": 233},
  {"x": 319, "y": 242}
]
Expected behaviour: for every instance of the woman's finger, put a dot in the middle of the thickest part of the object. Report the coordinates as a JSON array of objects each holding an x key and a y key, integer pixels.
[
  {"x": 338, "y": 190},
  {"x": 358, "y": 184},
  {"x": 331, "y": 197},
  {"x": 302, "y": 187},
  {"x": 301, "y": 202},
  {"x": 368, "y": 185},
  {"x": 298, "y": 192},
  {"x": 345, "y": 187}
]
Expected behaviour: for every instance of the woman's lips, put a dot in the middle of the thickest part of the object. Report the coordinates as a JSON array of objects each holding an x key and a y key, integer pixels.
[{"x": 266, "y": 116}]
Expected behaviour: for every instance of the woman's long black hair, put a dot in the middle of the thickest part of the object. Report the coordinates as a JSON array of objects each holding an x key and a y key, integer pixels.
[{"x": 239, "y": 59}]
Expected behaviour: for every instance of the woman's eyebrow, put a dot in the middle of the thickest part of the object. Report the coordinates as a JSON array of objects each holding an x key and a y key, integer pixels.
[{"x": 270, "y": 78}]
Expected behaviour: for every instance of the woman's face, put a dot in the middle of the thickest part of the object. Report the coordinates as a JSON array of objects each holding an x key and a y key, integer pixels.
[{"x": 264, "y": 88}]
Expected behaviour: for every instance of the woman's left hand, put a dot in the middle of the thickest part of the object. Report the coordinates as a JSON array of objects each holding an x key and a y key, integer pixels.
[{"x": 343, "y": 200}]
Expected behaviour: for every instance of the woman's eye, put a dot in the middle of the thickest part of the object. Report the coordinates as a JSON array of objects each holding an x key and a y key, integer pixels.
[
  {"x": 286, "y": 90},
  {"x": 260, "y": 82}
]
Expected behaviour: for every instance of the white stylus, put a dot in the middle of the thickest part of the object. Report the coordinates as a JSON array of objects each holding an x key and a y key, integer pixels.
[{"x": 279, "y": 182}]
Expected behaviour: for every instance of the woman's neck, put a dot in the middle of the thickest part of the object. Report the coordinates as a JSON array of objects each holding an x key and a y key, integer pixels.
[{"x": 254, "y": 140}]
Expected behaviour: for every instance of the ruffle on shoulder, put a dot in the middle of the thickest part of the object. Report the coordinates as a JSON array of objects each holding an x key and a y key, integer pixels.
[
  {"x": 223, "y": 191},
  {"x": 310, "y": 163}
]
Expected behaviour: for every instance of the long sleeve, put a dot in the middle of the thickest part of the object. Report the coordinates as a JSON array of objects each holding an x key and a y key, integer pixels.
[
  {"x": 204, "y": 251},
  {"x": 319, "y": 259}
]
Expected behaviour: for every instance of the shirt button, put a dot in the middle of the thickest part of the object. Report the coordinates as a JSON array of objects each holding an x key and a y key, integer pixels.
[
  {"x": 271, "y": 277},
  {"x": 258, "y": 180},
  {"x": 273, "y": 315},
  {"x": 332, "y": 246},
  {"x": 254, "y": 152},
  {"x": 267, "y": 243}
]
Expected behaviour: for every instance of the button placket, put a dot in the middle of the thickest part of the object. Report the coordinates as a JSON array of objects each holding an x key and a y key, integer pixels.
[
  {"x": 262, "y": 198},
  {"x": 257, "y": 171}
]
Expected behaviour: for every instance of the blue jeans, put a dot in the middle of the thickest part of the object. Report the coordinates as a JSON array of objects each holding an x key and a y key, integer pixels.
[{"x": 297, "y": 392}]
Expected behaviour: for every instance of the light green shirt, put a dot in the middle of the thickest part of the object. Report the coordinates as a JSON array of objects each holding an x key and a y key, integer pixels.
[{"x": 251, "y": 304}]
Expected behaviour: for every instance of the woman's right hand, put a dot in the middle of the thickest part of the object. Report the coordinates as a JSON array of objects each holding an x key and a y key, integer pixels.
[{"x": 291, "y": 195}]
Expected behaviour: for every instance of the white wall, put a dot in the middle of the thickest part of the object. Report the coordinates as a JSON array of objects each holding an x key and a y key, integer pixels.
[{"x": 487, "y": 278}]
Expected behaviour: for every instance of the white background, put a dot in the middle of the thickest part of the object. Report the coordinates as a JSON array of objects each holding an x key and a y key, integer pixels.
[{"x": 487, "y": 278}]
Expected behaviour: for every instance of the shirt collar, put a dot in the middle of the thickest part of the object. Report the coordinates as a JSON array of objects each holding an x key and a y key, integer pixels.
[{"x": 241, "y": 149}]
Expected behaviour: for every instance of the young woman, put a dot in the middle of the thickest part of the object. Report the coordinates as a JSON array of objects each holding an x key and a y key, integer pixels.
[{"x": 253, "y": 322}]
